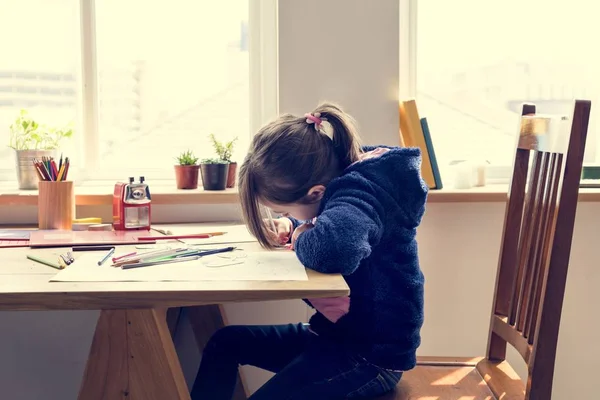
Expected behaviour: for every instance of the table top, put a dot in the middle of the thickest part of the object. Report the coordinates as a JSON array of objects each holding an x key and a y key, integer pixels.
[{"x": 24, "y": 285}]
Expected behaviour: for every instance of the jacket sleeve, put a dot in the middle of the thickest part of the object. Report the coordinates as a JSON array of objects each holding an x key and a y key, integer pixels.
[
  {"x": 295, "y": 222},
  {"x": 349, "y": 225}
]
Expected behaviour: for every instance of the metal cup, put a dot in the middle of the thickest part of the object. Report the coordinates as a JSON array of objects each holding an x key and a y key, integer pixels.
[{"x": 26, "y": 175}]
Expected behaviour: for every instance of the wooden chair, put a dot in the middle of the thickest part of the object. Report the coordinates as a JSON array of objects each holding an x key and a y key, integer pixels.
[{"x": 531, "y": 277}]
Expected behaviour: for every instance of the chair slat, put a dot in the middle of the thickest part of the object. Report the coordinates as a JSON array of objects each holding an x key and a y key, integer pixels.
[
  {"x": 536, "y": 233},
  {"x": 510, "y": 242},
  {"x": 525, "y": 238},
  {"x": 543, "y": 250}
]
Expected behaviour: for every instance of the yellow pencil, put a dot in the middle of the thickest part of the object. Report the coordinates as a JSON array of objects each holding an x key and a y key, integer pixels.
[{"x": 61, "y": 172}]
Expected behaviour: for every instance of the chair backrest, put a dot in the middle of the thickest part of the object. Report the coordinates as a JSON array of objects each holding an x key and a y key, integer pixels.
[{"x": 536, "y": 242}]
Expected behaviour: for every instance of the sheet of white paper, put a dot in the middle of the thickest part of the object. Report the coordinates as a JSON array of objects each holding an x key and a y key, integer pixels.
[
  {"x": 251, "y": 266},
  {"x": 235, "y": 234}
]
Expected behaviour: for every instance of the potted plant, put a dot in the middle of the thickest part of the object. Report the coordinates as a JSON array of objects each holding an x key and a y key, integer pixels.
[
  {"x": 33, "y": 141},
  {"x": 186, "y": 172},
  {"x": 224, "y": 152},
  {"x": 214, "y": 173}
]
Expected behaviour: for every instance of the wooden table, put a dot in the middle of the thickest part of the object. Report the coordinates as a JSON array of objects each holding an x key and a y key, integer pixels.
[{"x": 132, "y": 354}]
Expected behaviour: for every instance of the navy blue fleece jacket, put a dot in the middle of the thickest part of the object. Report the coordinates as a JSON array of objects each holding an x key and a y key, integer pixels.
[{"x": 366, "y": 230}]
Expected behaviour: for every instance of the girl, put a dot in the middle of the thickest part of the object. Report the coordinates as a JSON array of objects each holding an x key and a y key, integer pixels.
[{"x": 364, "y": 205}]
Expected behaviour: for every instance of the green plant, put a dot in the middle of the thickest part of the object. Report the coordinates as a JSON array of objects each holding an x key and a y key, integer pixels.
[
  {"x": 27, "y": 134},
  {"x": 187, "y": 158},
  {"x": 224, "y": 150},
  {"x": 213, "y": 161}
]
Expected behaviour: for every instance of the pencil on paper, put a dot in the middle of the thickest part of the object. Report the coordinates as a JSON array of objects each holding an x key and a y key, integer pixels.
[
  {"x": 176, "y": 237},
  {"x": 107, "y": 256},
  {"x": 151, "y": 263},
  {"x": 271, "y": 221},
  {"x": 115, "y": 259},
  {"x": 176, "y": 256},
  {"x": 143, "y": 257}
]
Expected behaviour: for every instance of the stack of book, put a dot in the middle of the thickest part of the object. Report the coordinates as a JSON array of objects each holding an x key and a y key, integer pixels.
[{"x": 414, "y": 132}]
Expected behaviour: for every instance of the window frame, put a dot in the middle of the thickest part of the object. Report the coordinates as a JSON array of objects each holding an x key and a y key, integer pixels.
[
  {"x": 263, "y": 101},
  {"x": 262, "y": 42}
]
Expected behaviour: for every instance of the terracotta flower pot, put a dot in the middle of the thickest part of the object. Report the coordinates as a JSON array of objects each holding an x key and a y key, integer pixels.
[
  {"x": 186, "y": 176},
  {"x": 214, "y": 176},
  {"x": 231, "y": 175}
]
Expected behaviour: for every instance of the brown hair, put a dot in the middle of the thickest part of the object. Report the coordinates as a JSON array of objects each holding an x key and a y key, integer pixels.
[{"x": 289, "y": 156}]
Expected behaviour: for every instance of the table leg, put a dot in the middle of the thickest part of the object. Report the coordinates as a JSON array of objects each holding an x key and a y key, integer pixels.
[
  {"x": 133, "y": 358},
  {"x": 205, "y": 320}
]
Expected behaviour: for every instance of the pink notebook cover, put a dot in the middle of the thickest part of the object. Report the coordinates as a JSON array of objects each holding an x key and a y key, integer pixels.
[
  {"x": 57, "y": 238},
  {"x": 14, "y": 243},
  {"x": 14, "y": 237}
]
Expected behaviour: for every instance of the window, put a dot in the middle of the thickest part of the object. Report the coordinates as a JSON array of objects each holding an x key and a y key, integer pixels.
[
  {"x": 478, "y": 61},
  {"x": 142, "y": 80},
  {"x": 168, "y": 76},
  {"x": 38, "y": 68}
]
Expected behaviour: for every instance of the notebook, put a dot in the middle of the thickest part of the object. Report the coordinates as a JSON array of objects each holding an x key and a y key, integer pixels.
[{"x": 59, "y": 238}]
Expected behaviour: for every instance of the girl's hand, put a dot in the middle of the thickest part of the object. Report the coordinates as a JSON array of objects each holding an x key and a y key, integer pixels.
[
  {"x": 299, "y": 230},
  {"x": 283, "y": 227}
]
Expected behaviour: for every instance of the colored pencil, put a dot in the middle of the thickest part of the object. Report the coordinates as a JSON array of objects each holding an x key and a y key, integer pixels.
[
  {"x": 42, "y": 261},
  {"x": 107, "y": 256},
  {"x": 91, "y": 248},
  {"x": 47, "y": 169},
  {"x": 67, "y": 164},
  {"x": 193, "y": 253},
  {"x": 151, "y": 263},
  {"x": 176, "y": 237},
  {"x": 115, "y": 259},
  {"x": 149, "y": 255},
  {"x": 271, "y": 222},
  {"x": 53, "y": 170}
]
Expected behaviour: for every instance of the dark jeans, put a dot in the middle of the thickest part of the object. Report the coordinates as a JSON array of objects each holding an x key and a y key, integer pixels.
[{"x": 306, "y": 366}]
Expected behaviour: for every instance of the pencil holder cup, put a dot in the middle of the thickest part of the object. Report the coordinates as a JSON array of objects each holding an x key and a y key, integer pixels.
[{"x": 56, "y": 205}]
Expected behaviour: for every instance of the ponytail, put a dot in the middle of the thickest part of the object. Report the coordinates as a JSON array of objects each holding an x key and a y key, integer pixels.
[{"x": 346, "y": 141}]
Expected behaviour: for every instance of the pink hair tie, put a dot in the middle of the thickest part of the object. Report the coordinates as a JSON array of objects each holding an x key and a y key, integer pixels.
[
  {"x": 314, "y": 119},
  {"x": 318, "y": 121}
]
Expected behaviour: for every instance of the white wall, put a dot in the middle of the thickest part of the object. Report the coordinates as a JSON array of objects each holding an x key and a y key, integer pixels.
[
  {"x": 355, "y": 62},
  {"x": 346, "y": 51}
]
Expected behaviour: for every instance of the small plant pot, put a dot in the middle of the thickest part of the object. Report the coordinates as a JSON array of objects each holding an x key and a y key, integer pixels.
[
  {"x": 214, "y": 176},
  {"x": 231, "y": 175},
  {"x": 186, "y": 176},
  {"x": 26, "y": 176}
]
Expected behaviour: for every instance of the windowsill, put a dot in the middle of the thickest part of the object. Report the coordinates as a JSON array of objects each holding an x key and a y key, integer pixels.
[
  {"x": 168, "y": 195},
  {"x": 102, "y": 196}
]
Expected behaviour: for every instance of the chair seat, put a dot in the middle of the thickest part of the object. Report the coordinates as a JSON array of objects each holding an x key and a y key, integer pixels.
[{"x": 459, "y": 379}]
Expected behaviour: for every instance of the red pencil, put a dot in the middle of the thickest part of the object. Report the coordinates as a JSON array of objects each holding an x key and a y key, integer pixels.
[
  {"x": 54, "y": 172},
  {"x": 67, "y": 163},
  {"x": 176, "y": 237}
]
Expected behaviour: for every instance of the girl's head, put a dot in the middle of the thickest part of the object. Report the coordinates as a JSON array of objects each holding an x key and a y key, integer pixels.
[{"x": 290, "y": 162}]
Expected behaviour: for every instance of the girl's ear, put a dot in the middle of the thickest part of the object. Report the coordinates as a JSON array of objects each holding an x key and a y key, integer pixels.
[{"x": 315, "y": 193}]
